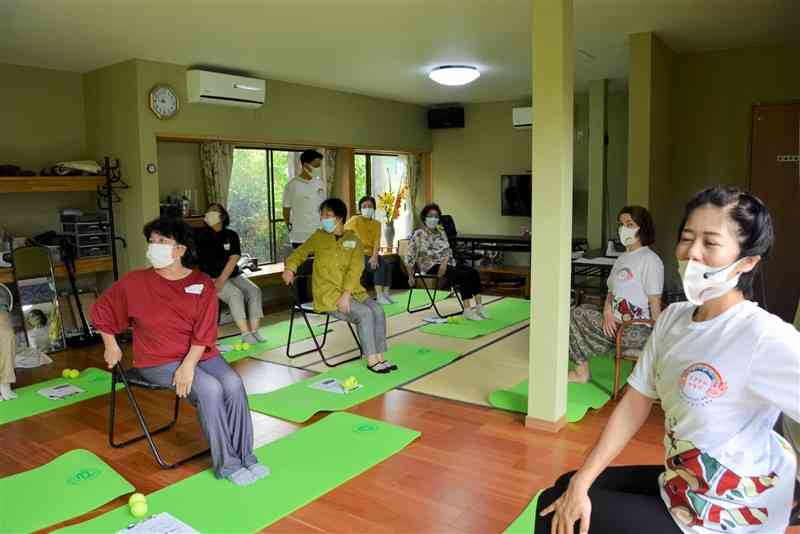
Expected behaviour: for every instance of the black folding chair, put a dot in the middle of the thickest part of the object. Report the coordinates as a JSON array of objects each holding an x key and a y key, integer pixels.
[
  {"x": 132, "y": 378},
  {"x": 305, "y": 308},
  {"x": 436, "y": 279}
]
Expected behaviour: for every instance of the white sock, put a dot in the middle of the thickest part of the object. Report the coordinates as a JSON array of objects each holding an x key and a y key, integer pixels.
[{"x": 6, "y": 393}]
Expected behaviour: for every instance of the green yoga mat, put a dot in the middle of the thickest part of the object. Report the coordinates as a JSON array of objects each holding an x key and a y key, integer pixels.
[
  {"x": 524, "y": 524},
  {"x": 418, "y": 299},
  {"x": 299, "y": 401},
  {"x": 580, "y": 397},
  {"x": 305, "y": 465},
  {"x": 502, "y": 314},
  {"x": 93, "y": 382},
  {"x": 73, "y": 484},
  {"x": 276, "y": 336}
]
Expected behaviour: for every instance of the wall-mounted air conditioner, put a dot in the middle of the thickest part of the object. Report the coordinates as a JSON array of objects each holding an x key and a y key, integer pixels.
[
  {"x": 224, "y": 89},
  {"x": 523, "y": 118}
]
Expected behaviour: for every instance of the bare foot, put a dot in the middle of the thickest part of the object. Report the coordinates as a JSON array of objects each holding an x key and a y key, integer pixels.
[{"x": 580, "y": 375}]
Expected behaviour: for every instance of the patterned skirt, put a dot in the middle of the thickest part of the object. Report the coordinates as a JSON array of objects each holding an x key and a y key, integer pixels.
[{"x": 587, "y": 339}]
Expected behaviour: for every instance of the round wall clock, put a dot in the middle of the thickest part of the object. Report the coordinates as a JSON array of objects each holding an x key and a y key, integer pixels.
[{"x": 164, "y": 101}]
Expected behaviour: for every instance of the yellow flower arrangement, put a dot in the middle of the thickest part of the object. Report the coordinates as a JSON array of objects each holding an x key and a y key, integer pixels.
[{"x": 390, "y": 202}]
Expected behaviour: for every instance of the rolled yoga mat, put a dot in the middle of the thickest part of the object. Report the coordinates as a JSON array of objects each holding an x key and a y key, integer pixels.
[
  {"x": 93, "y": 382},
  {"x": 73, "y": 484},
  {"x": 300, "y": 401},
  {"x": 502, "y": 314},
  {"x": 580, "y": 397},
  {"x": 524, "y": 524},
  {"x": 276, "y": 336},
  {"x": 304, "y": 466}
]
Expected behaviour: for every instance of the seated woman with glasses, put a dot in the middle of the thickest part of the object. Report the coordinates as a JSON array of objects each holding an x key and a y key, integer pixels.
[
  {"x": 172, "y": 310},
  {"x": 430, "y": 251}
]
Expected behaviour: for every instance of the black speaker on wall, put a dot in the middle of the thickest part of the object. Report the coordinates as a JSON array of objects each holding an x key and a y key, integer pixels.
[{"x": 449, "y": 117}]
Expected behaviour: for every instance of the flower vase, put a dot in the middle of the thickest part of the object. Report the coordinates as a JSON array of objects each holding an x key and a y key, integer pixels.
[{"x": 388, "y": 234}]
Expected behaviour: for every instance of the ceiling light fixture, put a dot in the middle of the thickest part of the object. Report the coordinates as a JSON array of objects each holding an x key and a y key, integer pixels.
[{"x": 454, "y": 74}]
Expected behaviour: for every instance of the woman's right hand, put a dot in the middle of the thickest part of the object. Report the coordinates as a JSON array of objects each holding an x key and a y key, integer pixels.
[
  {"x": 574, "y": 506},
  {"x": 610, "y": 322},
  {"x": 112, "y": 355},
  {"x": 288, "y": 277}
]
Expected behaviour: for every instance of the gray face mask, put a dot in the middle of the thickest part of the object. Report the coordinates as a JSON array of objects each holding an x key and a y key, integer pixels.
[{"x": 431, "y": 222}]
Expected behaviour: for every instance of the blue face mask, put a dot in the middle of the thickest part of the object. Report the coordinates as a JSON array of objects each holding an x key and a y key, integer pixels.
[
  {"x": 329, "y": 225},
  {"x": 431, "y": 222}
]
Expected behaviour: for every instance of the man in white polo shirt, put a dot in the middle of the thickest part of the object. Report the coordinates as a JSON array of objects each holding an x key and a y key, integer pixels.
[{"x": 302, "y": 197}]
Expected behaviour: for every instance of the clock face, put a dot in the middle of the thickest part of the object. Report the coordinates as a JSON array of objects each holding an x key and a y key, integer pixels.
[{"x": 164, "y": 101}]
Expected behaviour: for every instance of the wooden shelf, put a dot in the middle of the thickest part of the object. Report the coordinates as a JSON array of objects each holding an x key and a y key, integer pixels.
[
  {"x": 82, "y": 266},
  {"x": 49, "y": 184}
]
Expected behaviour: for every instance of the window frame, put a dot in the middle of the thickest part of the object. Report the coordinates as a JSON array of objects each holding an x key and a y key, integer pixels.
[{"x": 274, "y": 217}]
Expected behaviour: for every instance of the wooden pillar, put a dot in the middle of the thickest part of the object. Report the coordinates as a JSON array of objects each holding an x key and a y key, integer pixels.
[
  {"x": 553, "y": 100},
  {"x": 596, "y": 216}
]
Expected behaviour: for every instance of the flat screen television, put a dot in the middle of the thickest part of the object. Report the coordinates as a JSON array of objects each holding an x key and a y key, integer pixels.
[{"x": 515, "y": 192}]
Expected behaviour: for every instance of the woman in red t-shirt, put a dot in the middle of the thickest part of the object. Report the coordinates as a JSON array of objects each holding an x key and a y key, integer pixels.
[{"x": 173, "y": 313}]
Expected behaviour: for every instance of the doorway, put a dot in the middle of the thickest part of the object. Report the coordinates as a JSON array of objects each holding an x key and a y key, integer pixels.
[{"x": 775, "y": 178}]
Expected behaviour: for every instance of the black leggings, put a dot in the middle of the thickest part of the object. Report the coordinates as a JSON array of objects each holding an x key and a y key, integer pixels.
[
  {"x": 625, "y": 500},
  {"x": 467, "y": 279}
]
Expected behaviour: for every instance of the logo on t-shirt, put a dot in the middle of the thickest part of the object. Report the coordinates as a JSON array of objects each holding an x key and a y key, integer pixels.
[{"x": 701, "y": 383}]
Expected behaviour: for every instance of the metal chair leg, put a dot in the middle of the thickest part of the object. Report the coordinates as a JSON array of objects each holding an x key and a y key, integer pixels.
[{"x": 146, "y": 432}]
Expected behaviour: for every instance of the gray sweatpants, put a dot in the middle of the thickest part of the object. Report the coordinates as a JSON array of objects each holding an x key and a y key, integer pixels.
[
  {"x": 370, "y": 323},
  {"x": 220, "y": 399},
  {"x": 238, "y": 291}
]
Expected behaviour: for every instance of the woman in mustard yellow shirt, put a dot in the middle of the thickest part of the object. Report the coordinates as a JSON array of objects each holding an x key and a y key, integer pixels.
[
  {"x": 335, "y": 281},
  {"x": 368, "y": 231}
]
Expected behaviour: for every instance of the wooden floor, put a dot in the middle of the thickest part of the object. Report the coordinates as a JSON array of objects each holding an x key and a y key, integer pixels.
[{"x": 473, "y": 470}]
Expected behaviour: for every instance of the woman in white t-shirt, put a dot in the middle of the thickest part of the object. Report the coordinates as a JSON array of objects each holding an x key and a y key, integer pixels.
[
  {"x": 723, "y": 369},
  {"x": 634, "y": 292}
]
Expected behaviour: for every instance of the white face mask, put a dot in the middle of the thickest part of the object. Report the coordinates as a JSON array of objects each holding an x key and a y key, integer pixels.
[
  {"x": 702, "y": 283},
  {"x": 315, "y": 172},
  {"x": 368, "y": 213},
  {"x": 431, "y": 222},
  {"x": 628, "y": 235},
  {"x": 213, "y": 218},
  {"x": 160, "y": 255}
]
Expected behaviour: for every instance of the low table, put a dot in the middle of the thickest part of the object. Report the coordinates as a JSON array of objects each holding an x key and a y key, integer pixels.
[{"x": 510, "y": 270}]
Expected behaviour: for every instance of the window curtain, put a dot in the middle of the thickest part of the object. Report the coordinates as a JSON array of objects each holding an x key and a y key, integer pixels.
[
  {"x": 413, "y": 164},
  {"x": 327, "y": 169},
  {"x": 216, "y": 160}
]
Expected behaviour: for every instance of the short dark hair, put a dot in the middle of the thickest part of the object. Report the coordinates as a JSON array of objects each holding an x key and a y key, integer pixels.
[
  {"x": 643, "y": 219},
  {"x": 307, "y": 156},
  {"x": 177, "y": 229},
  {"x": 429, "y": 208},
  {"x": 226, "y": 219},
  {"x": 336, "y": 205},
  {"x": 365, "y": 198},
  {"x": 754, "y": 222}
]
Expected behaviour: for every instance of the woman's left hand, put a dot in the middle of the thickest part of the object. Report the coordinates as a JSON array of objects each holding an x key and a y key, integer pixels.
[
  {"x": 373, "y": 262},
  {"x": 219, "y": 283},
  {"x": 343, "y": 304},
  {"x": 183, "y": 378},
  {"x": 442, "y": 269}
]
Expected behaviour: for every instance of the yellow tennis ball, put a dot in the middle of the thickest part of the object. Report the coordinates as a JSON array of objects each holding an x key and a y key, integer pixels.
[
  {"x": 65, "y": 373},
  {"x": 136, "y": 497},
  {"x": 74, "y": 373},
  {"x": 245, "y": 346},
  {"x": 139, "y": 509}
]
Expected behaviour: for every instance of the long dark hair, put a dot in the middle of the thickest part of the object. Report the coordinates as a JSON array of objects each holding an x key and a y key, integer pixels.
[
  {"x": 177, "y": 229},
  {"x": 752, "y": 218}
]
